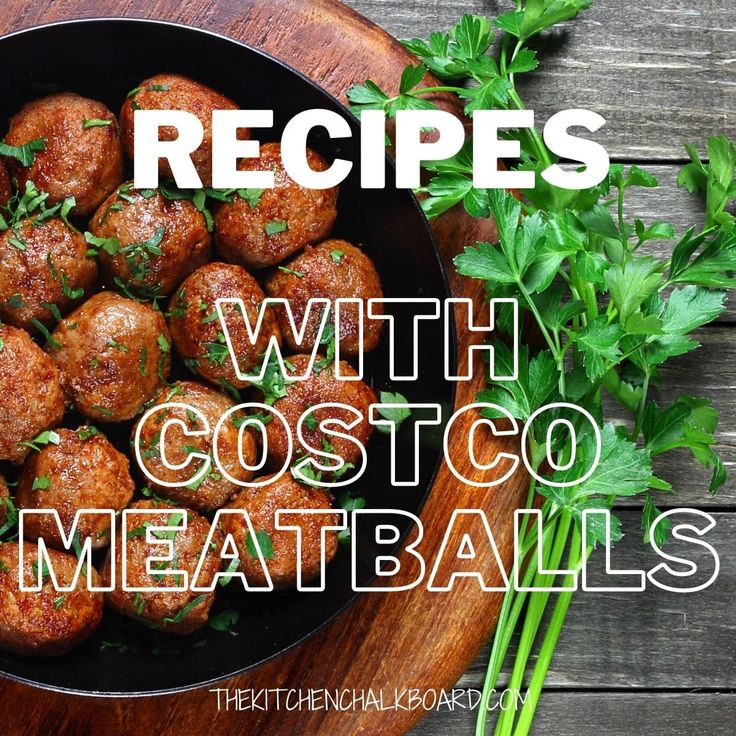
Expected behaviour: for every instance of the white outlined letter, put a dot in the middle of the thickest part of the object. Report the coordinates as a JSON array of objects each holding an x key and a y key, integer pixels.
[
  {"x": 475, "y": 532},
  {"x": 148, "y": 149},
  {"x": 464, "y": 319},
  {"x": 692, "y": 567},
  {"x": 386, "y": 534},
  {"x": 288, "y": 520}
]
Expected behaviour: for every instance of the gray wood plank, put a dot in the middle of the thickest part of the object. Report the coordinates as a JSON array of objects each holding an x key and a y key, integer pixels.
[
  {"x": 659, "y": 73},
  {"x": 612, "y": 714},
  {"x": 649, "y": 640},
  {"x": 709, "y": 371}
]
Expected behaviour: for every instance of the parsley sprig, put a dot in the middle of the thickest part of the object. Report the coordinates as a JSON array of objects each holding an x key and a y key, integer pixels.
[{"x": 609, "y": 313}]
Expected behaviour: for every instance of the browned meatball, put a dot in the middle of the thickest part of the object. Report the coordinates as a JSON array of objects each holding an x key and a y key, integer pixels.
[
  {"x": 319, "y": 388},
  {"x": 84, "y": 471},
  {"x": 284, "y": 220},
  {"x": 46, "y": 622},
  {"x": 214, "y": 490},
  {"x": 32, "y": 399},
  {"x": 43, "y": 265},
  {"x": 178, "y": 612},
  {"x": 113, "y": 356},
  {"x": 161, "y": 240},
  {"x": 175, "y": 92},
  {"x": 333, "y": 270},
  {"x": 196, "y": 329},
  {"x": 262, "y": 504},
  {"x": 82, "y": 157},
  {"x": 6, "y": 189}
]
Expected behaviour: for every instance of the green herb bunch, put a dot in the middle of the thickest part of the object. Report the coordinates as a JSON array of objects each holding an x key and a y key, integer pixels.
[{"x": 608, "y": 315}]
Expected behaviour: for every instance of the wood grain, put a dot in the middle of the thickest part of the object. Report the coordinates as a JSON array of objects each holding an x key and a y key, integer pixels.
[
  {"x": 374, "y": 645},
  {"x": 660, "y": 73},
  {"x": 612, "y": 714},
  {"x": 652, "y": 640}
]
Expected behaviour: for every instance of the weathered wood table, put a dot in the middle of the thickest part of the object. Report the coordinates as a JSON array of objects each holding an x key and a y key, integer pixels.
[
  {"x": 651, "y": 663},
  {"x": 661, "y": 74}
]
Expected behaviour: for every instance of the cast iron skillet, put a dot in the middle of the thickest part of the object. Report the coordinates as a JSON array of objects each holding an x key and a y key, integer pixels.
[{"x": 104, "y": 59}]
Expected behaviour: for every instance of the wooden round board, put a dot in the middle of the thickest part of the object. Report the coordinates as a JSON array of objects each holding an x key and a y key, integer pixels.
[{"x": 385, "y": 641}]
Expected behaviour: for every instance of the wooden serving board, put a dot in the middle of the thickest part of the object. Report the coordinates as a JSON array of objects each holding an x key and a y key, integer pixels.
[{"x": 412, "y": 639}]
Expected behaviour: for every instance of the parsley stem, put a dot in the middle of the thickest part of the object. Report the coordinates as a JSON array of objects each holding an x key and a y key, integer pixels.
[
  {"x": 513, "y": 603},
  {"x": 575, "y": 562},
  {"x": 620, "y": 213},
  {"x": 538, "y": 143},
  {"x": 440, "y": 88},
  {"x": 552, "y": 551},
  {"x": 538, "y": 317},
  {"x": 642, "y": 405}
]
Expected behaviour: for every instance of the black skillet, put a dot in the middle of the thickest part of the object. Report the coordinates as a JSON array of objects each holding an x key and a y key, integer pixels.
[{"x": 104, "y": 59}]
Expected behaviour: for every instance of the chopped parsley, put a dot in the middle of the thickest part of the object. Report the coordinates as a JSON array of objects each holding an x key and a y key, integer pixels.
[
  {"x": 25, "y": 154},
  {"x": 69, "y": 291},
  {"x": 53, "y": 344},
  {"x": 349, "y": 503},
  {"x": 15, "y": 302},
  {"x": 41, "y": 570},
  {"x": 51, "y": 307},
  {"x": 298, "y": 274},
  {"x": 251, "y": 196},
  {"x": 111, "y": 246},
  {"x": 47, "y": 437},
  {"x": 41, "y": 483},
  {"x": 217, "y": 351},
  {"x": 17, "y": 241},
  {"x": 118, "y": 345},
  {"x": 262, "y": 541},
  {"x": 95, "y": 123},
  {"x": 276, "y": 226},
  {"x": 337, "y": 255},
  {"x": 224, "y": 621},
  {"x": 228, "y": 574},
  {"x": 163, "y": 343},
  {"x": 396, "y": 415},
  {"x": 123, "y": 191},
  {"x": 186, "y": 610},
  {"x": 139, "y": 604},
  {"x": 84, "y": 433}
]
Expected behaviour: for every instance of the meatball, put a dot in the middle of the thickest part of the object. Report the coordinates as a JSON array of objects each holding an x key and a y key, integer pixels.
[
  {"x": 113, "y": 356},
  {"x": 84, "y": 471},
  {"x": 262, "y": 504},
  {"x": 161, "y": 241},
  {"x": 46, "y": 622},
  {"x": 282, "y": 221},
  {"x": 82, "y": 157},
  {"x": 319, "y": 388},
  {"x": 214, "y": 490},
  {"x": 175, "y": 92},
  {"x": 178, "y": 612},
  {"x": 44, "y": 267},
  {"x": 196, "y": 329},
  {"x": 6, "y": 190},
  {"x": 333, "y": 270},
  {"x": 32, "y": 399}
]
